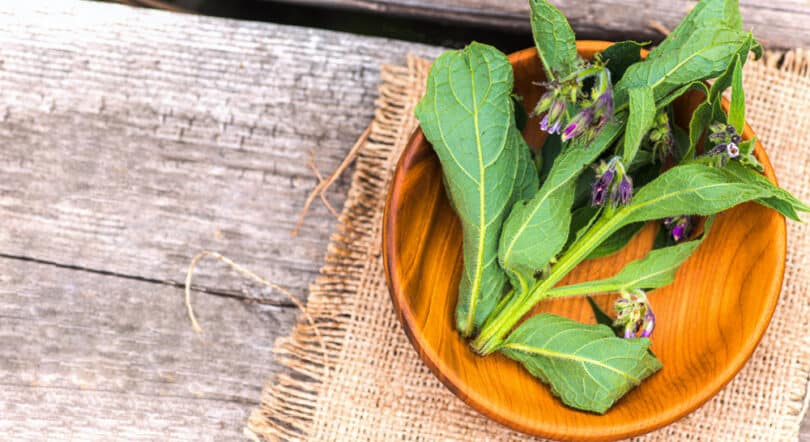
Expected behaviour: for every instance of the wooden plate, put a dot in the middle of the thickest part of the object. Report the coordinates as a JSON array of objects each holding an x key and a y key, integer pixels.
[{"x": 709, "y": 320}]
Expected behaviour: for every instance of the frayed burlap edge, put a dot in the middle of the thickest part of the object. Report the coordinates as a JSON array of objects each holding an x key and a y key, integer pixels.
[
  {"x": 797, "y": 62},
  {"x": 291, "y": 399}
]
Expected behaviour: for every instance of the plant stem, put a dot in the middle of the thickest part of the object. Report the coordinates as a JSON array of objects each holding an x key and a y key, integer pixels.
[{"x": 494, "y": 332}]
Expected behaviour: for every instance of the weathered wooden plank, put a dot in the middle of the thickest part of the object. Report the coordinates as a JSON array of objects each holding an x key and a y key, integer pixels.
[
  {"x": 778, "y": 23},
  {"x": 102, "y": 357},
  {"x": 132, "y": 138}
]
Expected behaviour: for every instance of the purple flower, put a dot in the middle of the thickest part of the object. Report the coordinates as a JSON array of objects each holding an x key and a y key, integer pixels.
[
  {"x": 649, "y": 324},
  {"x": 726, "y": 140},
  {"x": 732, "y": 150},
  {"x": 603, "y": 108},
  {"x": 552, "y": 121},
  {"x": 625, "y": 193},
  {"x": 680, "y": 227},
  {"x": 612, "y": 184},
  {"x": 601, "y": 186},
  {"x": 579, "y": 124},
  {"x": 634, "y": 314}
]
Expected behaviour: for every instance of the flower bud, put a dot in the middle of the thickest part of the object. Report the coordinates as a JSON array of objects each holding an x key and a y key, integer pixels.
[{"x": 634, "y": 314}]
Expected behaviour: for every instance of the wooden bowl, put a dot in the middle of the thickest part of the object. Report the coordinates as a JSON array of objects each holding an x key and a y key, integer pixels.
[{"x": 709, "y": 320}]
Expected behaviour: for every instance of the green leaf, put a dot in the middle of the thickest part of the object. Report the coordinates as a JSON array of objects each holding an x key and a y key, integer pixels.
[
  {"x": 701, "y": 47},
  {"x": 537, "y": 229},
  {"x": 690, "y": 188},
  {"x": 697, "y": 125},
  {"x": 654, "y": 270},
  {"x": 582, "y": 218},
  {"x": 639, "y": 122},
  {"x": 710, "y": 110},
  {"x": 747, "y": 157},
  {"x": 554, "y": 38},
  {"x": 707, "y": 14},
  {"x": 782, "y": 200},
  {"x": 619, "y": 56},
  {"x": 587, "y": 366},
  {"x": 467, "y": 114},
  {"x": 616, "y": 241},
  {"x": 698, "y": 85},
  {"x": 550, "y": 150},
  {"x": 736, "y": 113},
  {"x": 681, "y": 141}
]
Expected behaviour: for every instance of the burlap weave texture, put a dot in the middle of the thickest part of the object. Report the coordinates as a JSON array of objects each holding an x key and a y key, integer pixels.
[{"x": 374, "y": 386}]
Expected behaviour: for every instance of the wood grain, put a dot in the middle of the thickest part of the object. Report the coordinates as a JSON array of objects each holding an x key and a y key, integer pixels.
[
  {"x": 89, "y": 356},
  {"x": 778, "y": 24},
  {"x": 132, "y": 139},
  {"x": 708, "y": 322}
]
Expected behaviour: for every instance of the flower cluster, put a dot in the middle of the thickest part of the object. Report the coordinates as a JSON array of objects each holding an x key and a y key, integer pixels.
[
  {"x": 596, "y": 106},
  {"x": 612, "y": 184},
  {"x": 553, "y": 105},
  {"x": 634, "y": 314},
  {"x": 726, "y": 141},
  {"x": 680, "y": 227},
  {"x": 660, "y": 137}
]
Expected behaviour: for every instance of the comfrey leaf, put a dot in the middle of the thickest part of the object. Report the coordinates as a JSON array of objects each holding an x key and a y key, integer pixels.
[
  {"x": 782, "y": 200},
  {"x": 616, "y": 241},
  {"x": 467, "y": 114},
  {"x": 587, "y": 366},
  {"x": 710, "y": 109},
  {"x": 707, "y": 14},
  {"x": 554, "y": 38},
  {"x": 654, "y": 270},
  {"x": 537, "y": 229},
  {"x": 639, "y": 122},
  {"x": 736, "y": 113},
  {"x": 700, "y": 48},
  {"x": 691, "y": 188},
  {"x": 695, "y": 85},
  {"x": 619, "y": 56}
]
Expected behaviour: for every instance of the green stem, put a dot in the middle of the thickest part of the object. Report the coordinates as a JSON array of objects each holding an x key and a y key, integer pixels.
[
  {"x": 577, "y": 290},
  {"x": 494, "y": 332}
]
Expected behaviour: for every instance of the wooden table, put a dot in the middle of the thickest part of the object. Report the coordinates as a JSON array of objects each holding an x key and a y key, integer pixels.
[
  {"x": 131, "y": 140},
  {"x": 776, "y": 23}
]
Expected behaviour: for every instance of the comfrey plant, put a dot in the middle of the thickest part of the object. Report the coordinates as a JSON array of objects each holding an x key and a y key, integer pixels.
[{"x": 613, "y": 160}]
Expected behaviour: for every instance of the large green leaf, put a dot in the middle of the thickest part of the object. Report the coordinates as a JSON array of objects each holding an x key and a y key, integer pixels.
[
  {"x": 782, "y": 200},
  {"x": 701, "y": 47},
  {"x": 537, "y": 229},
  {"x": 616, "y": 241},
  {"x": 654, "y": 270},
  {"x": 710, "y": 110},
  {"x": 707, "y": 14},
  {"x": 736, "y": 112},
  {"x": 554, "y": 39},
  {"x": 639, "y": 122},
  {"x": 587, "y": 366},
  {"x": 619, "y": 56},
  {"x": 468, "y": 116},
  {"x": 691, "y": 189}
]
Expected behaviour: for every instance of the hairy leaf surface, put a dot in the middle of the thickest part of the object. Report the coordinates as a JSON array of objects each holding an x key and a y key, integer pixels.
[
  {"x": 537, "y": 229},
  {"x": 554, "y": 39},
  {"x": 467, "y": 114},
  {"x": 586, "y": 365}
]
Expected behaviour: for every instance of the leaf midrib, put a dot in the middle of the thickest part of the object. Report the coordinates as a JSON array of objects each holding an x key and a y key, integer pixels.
[
  {"x": 479, "y": 270},
  {"x": 570, "y": 357}
]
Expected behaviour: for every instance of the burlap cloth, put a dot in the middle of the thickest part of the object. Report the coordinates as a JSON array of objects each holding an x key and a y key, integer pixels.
[{"x": 375, "y": 387}]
